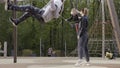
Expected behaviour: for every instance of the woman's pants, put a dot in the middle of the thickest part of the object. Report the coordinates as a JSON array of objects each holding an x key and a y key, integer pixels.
[
  {"x": 82, "y": 47},
  {"x": 28, "y": 11}
]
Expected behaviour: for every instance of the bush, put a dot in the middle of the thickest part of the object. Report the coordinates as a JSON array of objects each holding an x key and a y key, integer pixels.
[
  {"x": 27, "y": 52},
  {"x": 58, "y": 52}
]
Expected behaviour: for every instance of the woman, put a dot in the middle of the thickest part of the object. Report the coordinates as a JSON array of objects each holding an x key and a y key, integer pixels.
[
  {"x": 47, "y": 13},
  {"x": 83, "y": 39}
]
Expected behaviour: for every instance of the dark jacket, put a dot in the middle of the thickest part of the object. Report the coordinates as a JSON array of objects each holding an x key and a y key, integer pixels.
[
  {"x": 75, "y": 18},
  {"x": 83, "y": 25}
]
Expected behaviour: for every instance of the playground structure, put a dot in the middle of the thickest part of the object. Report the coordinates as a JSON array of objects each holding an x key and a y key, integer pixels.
[
  {"x": 4, "y": 51},
  {"x": 115, "y": 23},
  {"x": 105, "y": 33}
]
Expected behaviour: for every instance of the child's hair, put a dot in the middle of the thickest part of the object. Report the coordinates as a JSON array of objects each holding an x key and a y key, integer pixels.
[{"x": 74, "y": 11}]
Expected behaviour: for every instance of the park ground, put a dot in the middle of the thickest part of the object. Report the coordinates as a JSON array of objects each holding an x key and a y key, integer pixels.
[{"x": 56, "y": 62}]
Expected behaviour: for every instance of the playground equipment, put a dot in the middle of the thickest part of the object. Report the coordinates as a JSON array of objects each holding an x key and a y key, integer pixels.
[
  {"x": 110, "y": 28},
  {"x": 115, "y": 23},
  {"x": 5, "y": 49},
  {"x": 15, "y": 35},
  {"x": 45, "y": 19}
]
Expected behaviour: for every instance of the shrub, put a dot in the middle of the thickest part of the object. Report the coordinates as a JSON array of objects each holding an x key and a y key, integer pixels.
[{"x": 27, "y": 52}]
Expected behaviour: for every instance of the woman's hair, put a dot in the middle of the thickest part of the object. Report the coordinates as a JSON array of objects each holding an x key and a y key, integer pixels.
[{"x": 85, "y": 11}]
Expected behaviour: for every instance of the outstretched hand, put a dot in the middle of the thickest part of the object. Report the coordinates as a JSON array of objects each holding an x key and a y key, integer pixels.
[{"x": 78, "y": 37}]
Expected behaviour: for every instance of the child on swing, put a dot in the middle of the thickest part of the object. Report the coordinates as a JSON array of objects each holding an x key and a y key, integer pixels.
[{"x": 45, "y": 14}]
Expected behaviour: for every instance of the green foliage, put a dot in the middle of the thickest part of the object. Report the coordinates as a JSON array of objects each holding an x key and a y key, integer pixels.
[{"x": 27, "y": 52}]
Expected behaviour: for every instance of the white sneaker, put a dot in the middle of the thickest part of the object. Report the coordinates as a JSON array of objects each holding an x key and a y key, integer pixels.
[
  {"x": 79, "y": 63},
  {"x": 86, "y": 63},
  {"x": 10, "y": 19}
]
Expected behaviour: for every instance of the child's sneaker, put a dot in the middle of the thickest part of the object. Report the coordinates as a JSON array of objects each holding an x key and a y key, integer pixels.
[{"x": 13, "y": 21}]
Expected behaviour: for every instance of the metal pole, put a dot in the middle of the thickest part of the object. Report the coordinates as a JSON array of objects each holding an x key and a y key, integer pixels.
[
  {"x": 115, "y": 22},
  {"x": 15, "y": 35},
  {"x": 40, "y": 48},
  {"x": 65, "y": 49},
  {"x": 88, "y": 3},
  {"x": 103, "y": 29},
  {"x": 5, "y": 49},
  {"x": 77, "y": 4}
]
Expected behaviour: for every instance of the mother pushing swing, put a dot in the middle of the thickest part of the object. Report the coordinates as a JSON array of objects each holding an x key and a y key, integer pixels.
[{"x": 45, "y": 14}]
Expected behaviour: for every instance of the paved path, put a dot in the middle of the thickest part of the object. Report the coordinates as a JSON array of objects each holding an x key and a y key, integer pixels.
[{"x": 56, "y": 62}]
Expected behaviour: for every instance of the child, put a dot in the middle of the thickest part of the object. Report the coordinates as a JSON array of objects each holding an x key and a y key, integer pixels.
[
  {"x": 45, "y": 14},
  {"x": 75, "y": 16}
]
